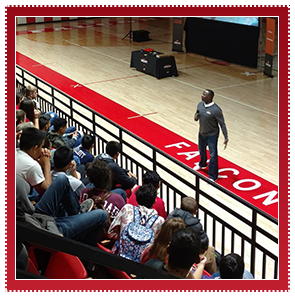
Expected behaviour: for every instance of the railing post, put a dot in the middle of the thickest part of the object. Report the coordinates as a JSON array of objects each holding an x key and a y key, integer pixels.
[
  {"x": 154, "y": 160},
  {"x": 253, "y": 242},
  {"x": 197, "y": 195}
]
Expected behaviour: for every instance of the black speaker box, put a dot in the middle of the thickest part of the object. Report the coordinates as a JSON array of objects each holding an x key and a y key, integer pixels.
[{"x": 141, "y": 35}]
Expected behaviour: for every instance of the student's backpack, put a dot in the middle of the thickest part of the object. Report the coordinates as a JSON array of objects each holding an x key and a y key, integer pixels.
[{"x": 136, "y": 236}]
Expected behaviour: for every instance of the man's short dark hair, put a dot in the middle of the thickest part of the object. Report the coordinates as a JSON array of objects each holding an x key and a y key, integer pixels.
[
  {"x": 113, "y": 148},
  {"x": 87, "y": 141},
  {"x": 62, "y": 157},
  {"x": 151, "y": 177},
  {"x": 43, "y": 121},
  {"x": 231, "y": 266},
  {"x": 146, "y": 195},
  {"x": 58, "y": 123},
  {"x": 30, "y": 138},
  {"x": 184, "y": 248},
  {"x": 20, "y": 116},
  {"x": 211, "y": 92}
]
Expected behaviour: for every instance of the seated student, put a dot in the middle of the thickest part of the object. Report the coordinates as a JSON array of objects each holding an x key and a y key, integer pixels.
[
  {"x": 32, "y": 112},
  {"x": 232, "y": 266},
  {"x": 187, "y": 212},
  {"x": 100, "y": 175},
  {"x": 183, "y": 252},
  {"x": 20, "y": 116},
  {"x": 32, "y": 161},
  {"x": 151, "y": 177},
  {"x": 57, "y": 137},
  {"x": 125, "y": 178},
  {"x": 158, "y": 250},
  {"x": 44, "y": 123},
  {"x": 83, "y": 151},
  {"x": 60, "y": 212},
  {"x": 31, "y": 94},
  {"x": 19, "y": 98},
  {"x": 63, "y": 163},
  {"x": 146, "y": 196}
]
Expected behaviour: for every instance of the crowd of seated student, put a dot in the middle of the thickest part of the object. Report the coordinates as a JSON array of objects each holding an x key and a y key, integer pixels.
[{"x": 59, "y": 179}]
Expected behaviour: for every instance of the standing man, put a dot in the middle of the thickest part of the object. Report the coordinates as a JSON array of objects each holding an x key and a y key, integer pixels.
[{"x": 210, "y": 115}]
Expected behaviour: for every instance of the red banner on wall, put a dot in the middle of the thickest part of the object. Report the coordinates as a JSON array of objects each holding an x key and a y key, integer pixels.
[{"x": 269, "y": 45}]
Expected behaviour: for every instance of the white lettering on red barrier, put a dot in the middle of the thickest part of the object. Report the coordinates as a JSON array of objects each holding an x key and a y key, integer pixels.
[{"x": 269, "y": 196}]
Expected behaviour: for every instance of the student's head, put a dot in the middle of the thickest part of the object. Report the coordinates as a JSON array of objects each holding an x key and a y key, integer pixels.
[
  {"x": 44, "y": 122},
  {"x": 28, "y": 106},
  {"x": 113, "y": 149},
  {"x": 189, "y": 204},
  {"x": 87, "y": 142},
  {"x": 146, "y": 195},
  {"x": 23, "y": 126},
  {"x": 99, "y": 174},
  {"x": 31, "y": 92},
  {"x": 63, "y": 156},
  {"x": 231, "y": 266},
  {"x": 151, "y": 177},
  {"x": 31, "y": 141},
  {"x": 158, "y": 249},
  {"x": 60, "y": 125},
  {"x": 20, "y": 116},
  {"x": 184, "y": 249}
]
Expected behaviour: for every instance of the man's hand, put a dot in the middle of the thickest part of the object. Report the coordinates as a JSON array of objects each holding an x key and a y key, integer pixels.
[{"x": 225, "y": 144}]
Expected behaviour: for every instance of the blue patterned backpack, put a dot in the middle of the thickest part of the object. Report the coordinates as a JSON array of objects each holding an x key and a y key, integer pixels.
[{"x": 136, "y": 236}]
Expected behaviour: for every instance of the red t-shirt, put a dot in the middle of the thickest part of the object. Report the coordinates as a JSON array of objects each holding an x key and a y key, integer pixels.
[{"x": 158, "y": 206}]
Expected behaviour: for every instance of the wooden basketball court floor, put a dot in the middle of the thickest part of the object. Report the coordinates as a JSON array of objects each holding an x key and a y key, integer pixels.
[{"x": 99, "y": 59}]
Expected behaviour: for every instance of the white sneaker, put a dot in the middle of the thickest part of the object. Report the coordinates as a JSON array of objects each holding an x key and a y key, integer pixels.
[
  {"x": 197, "y": 167},
  {"x": 86, "y": 205}
]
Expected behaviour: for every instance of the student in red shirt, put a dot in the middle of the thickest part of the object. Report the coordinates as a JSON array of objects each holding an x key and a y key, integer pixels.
[{"x": 151, "y": 177}]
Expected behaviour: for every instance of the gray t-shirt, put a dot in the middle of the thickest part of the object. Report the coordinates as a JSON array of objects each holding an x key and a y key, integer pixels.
[{"x": 209, "y": 117}]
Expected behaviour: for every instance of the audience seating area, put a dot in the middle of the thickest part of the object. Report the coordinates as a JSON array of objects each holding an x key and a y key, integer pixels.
[{"x": 54, "y": 264}]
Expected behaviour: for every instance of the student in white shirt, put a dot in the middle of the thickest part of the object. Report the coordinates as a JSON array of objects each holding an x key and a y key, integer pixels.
[{"x": 32, "y": 162}]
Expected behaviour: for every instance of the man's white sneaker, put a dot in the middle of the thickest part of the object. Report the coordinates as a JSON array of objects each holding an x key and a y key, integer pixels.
[{"x": 197, "y": 167}]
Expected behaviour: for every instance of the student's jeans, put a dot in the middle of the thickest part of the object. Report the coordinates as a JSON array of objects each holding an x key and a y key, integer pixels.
[
  {"x": 211, "y": 142},
  {"x": 59, "y": 201}
]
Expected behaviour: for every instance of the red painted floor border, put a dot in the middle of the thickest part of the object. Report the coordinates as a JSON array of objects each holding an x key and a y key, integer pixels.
[{"x": 252, "y": 188}]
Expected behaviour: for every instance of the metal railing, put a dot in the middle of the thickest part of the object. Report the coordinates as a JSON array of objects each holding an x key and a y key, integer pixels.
[{"x": 231, "y": 223}]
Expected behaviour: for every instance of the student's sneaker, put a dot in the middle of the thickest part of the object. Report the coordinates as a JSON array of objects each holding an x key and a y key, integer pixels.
[
  {"x": 86, "y": 205},
  {"x": 197, "y": 167}
]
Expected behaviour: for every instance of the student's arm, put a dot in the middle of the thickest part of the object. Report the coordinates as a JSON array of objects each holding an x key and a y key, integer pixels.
[
  {"x": 200, "y": 269},
  {"x": 123, "y": 178},
  {"x": 44, "y": 162}
]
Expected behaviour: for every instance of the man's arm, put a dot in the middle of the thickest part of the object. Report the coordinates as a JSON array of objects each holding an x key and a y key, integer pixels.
[{"x": 220, "y": 119}]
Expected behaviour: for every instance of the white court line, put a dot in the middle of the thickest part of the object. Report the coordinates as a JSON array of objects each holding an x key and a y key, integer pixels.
[
  {"x": 229, "y": 99},
  {"x": 90, "y": 49},
  {"x": 240, "y": 84},
  {"x": 191, "y": 85}
]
